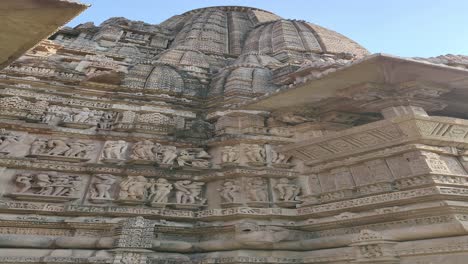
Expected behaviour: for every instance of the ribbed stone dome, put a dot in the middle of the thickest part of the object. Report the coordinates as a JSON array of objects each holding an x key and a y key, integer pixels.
[
  {"x": 257, "y": 59},
  {"x": 225, "y": 50},
  {"x": 242, "y": 79},
  {"x": 154, "y": 77},
  {"x": 216, "y": 30},
  {"x": 288, "y": 40}
]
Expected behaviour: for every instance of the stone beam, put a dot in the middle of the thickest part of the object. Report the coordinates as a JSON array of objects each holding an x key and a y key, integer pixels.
[
  {"x": 26, "y": 22},
  {"x": 356, "y": 87}
]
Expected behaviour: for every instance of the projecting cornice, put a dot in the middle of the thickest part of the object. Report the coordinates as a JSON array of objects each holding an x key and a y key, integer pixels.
[
  {"x": 365, "y": 86},
  {"x": 26, "y": 22}
]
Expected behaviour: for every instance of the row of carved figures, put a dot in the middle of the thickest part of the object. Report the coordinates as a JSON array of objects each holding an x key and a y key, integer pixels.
[
  {"x": 116, "y": 151},
  {"x": 157, "y": 192},
  {"x": 146, "y": 151},
  {"x": 255, "y": 154}
]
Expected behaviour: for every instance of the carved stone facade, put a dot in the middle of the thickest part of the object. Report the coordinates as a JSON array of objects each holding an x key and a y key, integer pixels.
[{"x": 230, "y": 135}]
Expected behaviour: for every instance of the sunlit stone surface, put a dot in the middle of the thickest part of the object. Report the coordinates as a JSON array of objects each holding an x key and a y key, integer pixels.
[{"x": 230, "y": 135}]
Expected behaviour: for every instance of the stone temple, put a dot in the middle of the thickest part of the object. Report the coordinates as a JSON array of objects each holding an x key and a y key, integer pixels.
[{"x": 225, "y": 135}]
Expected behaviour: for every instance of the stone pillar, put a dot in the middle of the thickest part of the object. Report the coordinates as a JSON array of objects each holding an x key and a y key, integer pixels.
[
  {"x": 371, "y": 247},
  {"x": 134, "y": 241}
]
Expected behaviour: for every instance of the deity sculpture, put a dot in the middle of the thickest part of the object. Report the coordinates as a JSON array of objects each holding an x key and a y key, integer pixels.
[
  {"x": 188, "y": 192},
  {"x": 230, "y": 154},
  {"x": 287, "y": 191},
  {"x": 102, "y": 185},
  {"x": 115, "y": 150},
  {"x": 133, "y": 188},
  {"x": 255, "y": 153},
  {"x": 257, "y": 189},
  {"x": 230, "y": 191},
  {"x": 160, "y": 190}
]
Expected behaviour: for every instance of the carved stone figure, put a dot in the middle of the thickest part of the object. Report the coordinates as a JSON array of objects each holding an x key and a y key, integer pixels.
[
  {"x": 160, "y": 190},
  {"x": 133, "y": 188},
  {"x": 24, "y": 182},
  {"x": 144, "y": 150},
  {"x": 230, "y": 154},
  {"x": 61, "y": 148},
  {"x": 201, "y": 160},
  {"x": 185, "y": 158},
  {"x": 6, "y": 140},
  {"x": 81, "y": 116},
  {"x": 188, "y": 192},
  {"x": 57, "y": 147},
  {"x": 287, "y": 191},
  {"x": 38, "y": 146},
  {"x": 102, "y": 185},
  {"x": 258, "y": 190},
  {"x": 230, "y": 191},
  {"x": 169, "y": 154},
  {"x": 255, "y": 153},
  {"x": 115, "y": 150},
  {"x": 279, "y": 158},
  {"x": 48, "y": 184},
  {"x": 78, "y": 150}
]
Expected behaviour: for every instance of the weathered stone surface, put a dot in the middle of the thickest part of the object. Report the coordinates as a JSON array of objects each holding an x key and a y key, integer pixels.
[{"x": 230, "y": 135}]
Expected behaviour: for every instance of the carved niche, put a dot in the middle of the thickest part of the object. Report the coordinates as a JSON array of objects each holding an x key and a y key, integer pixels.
[
  {"x": 102, "y": 188},
  {"x": 60, "y": 149},
  {"x": 287, "y": 193},
  {"x": 114, "y": 151},
  {"x": 47, "y": 186},
  {"x": 184, "y": 194}
]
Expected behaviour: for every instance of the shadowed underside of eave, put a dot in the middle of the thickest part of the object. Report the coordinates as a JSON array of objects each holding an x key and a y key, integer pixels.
[{"x": 26, "y": 22}]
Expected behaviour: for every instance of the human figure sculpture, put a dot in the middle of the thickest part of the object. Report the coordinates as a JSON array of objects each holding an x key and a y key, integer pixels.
[
  {"x": 188, "y": 192},
  {"x": 24, "y": 181},
  {"x": 78, "y": 150},
  {"x": 201, "y": 160},
  {"x": 42, "y": 181},
  {"x": 115, "y": 149},
  {"x": 255, "y": 153},
  {"x": 160, "y": 190},
  {"x": 278, "y": 158},
  {"x": 229, "y": 154},
  {"x": 287, "y": 191},
  {"x": 6, "y": 139},
  {"x": 133, "y": 188},
  {"x": 143, "y": 150},
  {"x": 82, "y": 115},
  {"x": 169, "y": 154},
  {"x": 49, "y": 184},
  {"x": 185, "y": 158},
  {"x": 102, "y": 185},
  {"x": 257, "y": 189},
  {"x": 230, "y": 191},
  {"x": 57, "y": 147},
  {"x": 38, "y": 146}
]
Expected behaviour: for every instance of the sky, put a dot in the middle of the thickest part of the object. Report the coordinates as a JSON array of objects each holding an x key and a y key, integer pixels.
[{"x": 407, "y": 28}]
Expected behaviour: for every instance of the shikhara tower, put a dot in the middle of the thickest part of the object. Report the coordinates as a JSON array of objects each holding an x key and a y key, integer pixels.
[{"x": 229, "y": 135}]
